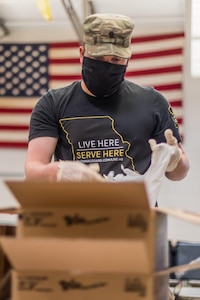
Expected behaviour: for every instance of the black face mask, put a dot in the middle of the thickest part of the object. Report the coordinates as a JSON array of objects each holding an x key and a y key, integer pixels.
[{"x": 102, "y": 78}]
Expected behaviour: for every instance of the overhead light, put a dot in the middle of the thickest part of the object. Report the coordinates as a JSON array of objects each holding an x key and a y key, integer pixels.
[
  {"x": 44, "y": 8},
  {"x": 3, "y": 30}
]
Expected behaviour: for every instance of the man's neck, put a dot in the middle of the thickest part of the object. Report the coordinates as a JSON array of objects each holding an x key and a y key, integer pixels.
[{"x": 85, "y": 89}]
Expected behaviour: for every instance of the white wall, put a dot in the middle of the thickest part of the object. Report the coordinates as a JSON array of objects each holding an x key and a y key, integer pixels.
[
  {"x": 185, "y": 194},
  {"x": 181, "y": 195}
]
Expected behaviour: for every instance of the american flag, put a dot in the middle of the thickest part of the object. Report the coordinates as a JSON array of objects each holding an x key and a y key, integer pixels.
[{"x": 28, "y": 70}]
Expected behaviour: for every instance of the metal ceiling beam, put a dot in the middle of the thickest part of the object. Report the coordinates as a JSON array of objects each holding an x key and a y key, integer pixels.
[
  {"x": 88, "y": 7},
  {"x": 92, "y": 7},
  {"x": 77, "y": 24}
]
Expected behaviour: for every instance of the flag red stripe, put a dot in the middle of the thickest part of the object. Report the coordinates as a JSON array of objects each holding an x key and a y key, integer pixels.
[
  {"x": 156, "y": 53},
  {"x": 166, "y": 87},
  {"x": 156, "y": 37},
  {"x": 13, "y": 144},
  {"x": 176, "y": 103},
  {"x": 180, "y": 121},
  {"x": 64, "y": 45},
  {"x": 128, "y": 73},
  {"x": 64, "y": 61},
  {"x": 28, "y": 111},
  {"x": 15, "y": 110},
  {"x": 134, "y": 56},
  {"x": 14, "y": 127},
  {"x": 64, "y": 77},
  {"x": 154, "y": 71}
]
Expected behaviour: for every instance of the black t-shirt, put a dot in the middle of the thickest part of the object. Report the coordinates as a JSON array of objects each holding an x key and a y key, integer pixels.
[{"x": 112, "y": 131}]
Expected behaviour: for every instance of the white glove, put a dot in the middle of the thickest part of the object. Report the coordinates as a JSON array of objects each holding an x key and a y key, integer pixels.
[
  {"x": 160, "y": 158},
  {"x": 127, "y": 175},
  {"x": 77, "y": 171},
  {"x": 153, "y": 177},
  {"x": 176, "y": 151}
]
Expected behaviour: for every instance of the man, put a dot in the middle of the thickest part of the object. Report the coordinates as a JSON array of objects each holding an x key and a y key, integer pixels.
[{"x": 103, "y": 118}]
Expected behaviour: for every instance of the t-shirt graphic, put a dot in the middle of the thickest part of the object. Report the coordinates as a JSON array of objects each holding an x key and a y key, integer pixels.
[{"x": 95, "y": 139}]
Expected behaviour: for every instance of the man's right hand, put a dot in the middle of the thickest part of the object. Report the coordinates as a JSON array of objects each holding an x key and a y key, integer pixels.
[{"x": 77, "y": 171}]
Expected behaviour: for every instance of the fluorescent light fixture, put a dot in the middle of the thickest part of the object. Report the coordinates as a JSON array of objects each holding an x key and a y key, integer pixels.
[{"x": 44, "y": 8}]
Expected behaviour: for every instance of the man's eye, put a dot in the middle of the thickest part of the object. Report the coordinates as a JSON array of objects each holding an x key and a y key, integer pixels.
[
  {"x": 99, "y": 58},
  {"x": 116, "y": 60}
]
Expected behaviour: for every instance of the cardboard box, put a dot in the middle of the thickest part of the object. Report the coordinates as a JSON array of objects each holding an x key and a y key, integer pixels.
[
  {"x": 103, "y": 210},
  {"x": 77, "y": 209},
  {"x": 97, "y": 211},
  {"x": 88, "y": 233},
  {"x": 81, "y": 269},
  {"x": 4, "y": 264}
]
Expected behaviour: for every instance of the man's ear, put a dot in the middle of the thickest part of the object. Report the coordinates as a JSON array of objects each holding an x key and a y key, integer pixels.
[
  {"x": 127, "y": 62},
  {"x": 81, "y": 52}
]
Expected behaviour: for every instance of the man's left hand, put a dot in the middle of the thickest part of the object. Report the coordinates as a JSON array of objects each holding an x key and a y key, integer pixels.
[{"x": 176, "y": 151}]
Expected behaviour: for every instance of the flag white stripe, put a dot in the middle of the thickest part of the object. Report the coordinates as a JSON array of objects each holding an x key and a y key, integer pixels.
[
  {"x": 181, "y": 129},
  {"x": 58, "y": 53},
  {"x": 151, "y": 46},
  {"x": 158, "y": 79},
  {"x": 23, "y": 103},
  {"x": 155, "y": 62},
  {"x": 70, "y": 69},
  {"x": 178, "y": 111},
  {"x": 14, "y": 119},
  {"x": 133, "y": 65},
  {"x": 14, "y": 136},
  {"x": 54, "y": 84},
  {"x": 173, "y": 94}
]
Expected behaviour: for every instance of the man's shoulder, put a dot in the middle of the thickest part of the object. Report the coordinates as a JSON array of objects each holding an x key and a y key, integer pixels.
[
  {"x": 145, "y": 93},
  {"x": 137, "y": 88},
  {"x": 65, "y": 89},
  {"x": 56, "y": 96}
]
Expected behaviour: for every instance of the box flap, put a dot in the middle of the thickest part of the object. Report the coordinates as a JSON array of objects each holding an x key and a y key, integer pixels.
[
  {"x": 75, "y": 194},
  {"x": 8, "y": 219},
  {"x": 194, "y": 265},
  {"x": 180, "y": 214},
  {"x": 77, "y": 254},
  {"x": 8, "y": 203},
  {"x": 83, "y": 255},
  {"x": 9, "y": 210}
]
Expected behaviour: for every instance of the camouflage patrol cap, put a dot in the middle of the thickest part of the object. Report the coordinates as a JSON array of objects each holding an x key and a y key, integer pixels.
[{"x": 108, "y": 34}]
